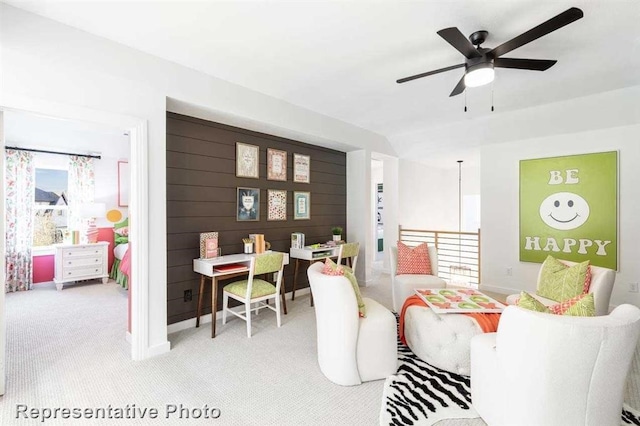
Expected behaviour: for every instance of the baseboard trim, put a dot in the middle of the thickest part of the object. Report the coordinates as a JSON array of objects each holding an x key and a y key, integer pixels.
[
  {"x": 160, "y": 349},
  {"x": 206, "y": 319}
]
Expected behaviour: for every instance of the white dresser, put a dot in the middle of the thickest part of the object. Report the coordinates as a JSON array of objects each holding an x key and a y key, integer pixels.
[{"x": 75, "y": 262}]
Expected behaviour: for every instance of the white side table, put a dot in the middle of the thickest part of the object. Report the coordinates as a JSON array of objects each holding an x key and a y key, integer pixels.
[{"x": 75, "y": 262}]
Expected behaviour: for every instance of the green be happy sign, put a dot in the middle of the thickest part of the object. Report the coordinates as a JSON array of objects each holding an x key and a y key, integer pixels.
[{"x": 568, "y": 209}]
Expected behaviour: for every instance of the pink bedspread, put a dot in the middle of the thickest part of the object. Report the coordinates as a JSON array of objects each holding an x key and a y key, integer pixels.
[{"x": 125, "y": 264}]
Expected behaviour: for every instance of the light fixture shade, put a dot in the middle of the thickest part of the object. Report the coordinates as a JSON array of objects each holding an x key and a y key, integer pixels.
[{"x": 479, "y": 75}]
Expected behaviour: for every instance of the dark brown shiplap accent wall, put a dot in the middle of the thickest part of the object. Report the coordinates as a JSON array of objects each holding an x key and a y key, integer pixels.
[{"x": 201, "y": 197}]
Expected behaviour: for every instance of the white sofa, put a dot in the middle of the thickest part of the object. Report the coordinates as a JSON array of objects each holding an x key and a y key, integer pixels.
[
  {"x": 553, "y": 370},
  {"x": 403, "y": 286},
  {"x": 351, "y": 350},
  {"x": 602, "y": 280}
]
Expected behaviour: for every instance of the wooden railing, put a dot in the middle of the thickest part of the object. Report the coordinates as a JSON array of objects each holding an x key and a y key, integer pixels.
[{"x": 458, "y": 253}]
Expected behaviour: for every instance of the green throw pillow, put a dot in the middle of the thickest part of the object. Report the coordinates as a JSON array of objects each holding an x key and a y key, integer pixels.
[
  {"x": 559, "y": 282},
  {"x": 529, "y": 302},
  {"x": 362, "y": 309},
  {"x": 331, "y": 268},
  {"x": 585, "y": 307}
]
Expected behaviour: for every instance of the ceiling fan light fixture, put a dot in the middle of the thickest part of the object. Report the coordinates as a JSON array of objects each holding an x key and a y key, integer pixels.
[{"x": 479, "y": 75}]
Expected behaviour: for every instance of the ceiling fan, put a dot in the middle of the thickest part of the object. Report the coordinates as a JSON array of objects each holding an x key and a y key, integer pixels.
[{"x": 480, "y": 62}]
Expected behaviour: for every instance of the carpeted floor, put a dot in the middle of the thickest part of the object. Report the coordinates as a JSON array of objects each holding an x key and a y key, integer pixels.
[{"x": 68, "y": 349}]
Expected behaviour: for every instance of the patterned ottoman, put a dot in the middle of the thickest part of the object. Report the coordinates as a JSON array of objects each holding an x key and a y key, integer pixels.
[{"x": 440, "y": 340}]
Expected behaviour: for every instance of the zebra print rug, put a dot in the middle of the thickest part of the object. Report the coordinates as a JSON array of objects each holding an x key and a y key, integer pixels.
[{"x": 421, "y": 395}]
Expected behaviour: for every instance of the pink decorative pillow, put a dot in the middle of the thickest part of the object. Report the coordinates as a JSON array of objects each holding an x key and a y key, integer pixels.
[
  {"x": 413, "y": 260},
  {"x": 330, "y": 268}
]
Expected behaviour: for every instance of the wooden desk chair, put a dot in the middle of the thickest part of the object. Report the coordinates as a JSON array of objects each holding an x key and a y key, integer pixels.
[
  {"x": 349, "y": 251},
  {"x": 254, "y": 290}
]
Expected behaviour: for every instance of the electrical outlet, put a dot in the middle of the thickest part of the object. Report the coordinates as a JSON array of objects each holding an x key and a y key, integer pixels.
[
  {"x": 509, "y": 271},
  {"x": 188, "y": 296},
  {"x": 633, "y": 287}
]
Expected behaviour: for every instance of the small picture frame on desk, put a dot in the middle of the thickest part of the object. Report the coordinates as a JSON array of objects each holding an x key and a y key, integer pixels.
[{"x": 209, "y": 245}]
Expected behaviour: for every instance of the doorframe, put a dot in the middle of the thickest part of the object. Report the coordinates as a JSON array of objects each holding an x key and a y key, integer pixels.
[
  {"x": 3, "y": 327},
  {"x": 138, "y": 210}
]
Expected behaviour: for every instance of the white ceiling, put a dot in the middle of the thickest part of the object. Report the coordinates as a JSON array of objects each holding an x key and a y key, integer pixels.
[{"x": 341, "y": 59}]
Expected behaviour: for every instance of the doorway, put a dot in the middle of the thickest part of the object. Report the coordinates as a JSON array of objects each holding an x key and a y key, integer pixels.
[{"x": 138, "y": 152}]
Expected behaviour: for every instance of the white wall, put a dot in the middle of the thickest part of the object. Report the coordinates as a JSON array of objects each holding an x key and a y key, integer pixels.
[
  {"x": 359, "y": 206},
  {"x": 429, "y": 195},
  {"x": 500, "y": 205},
  {"x": 52, "y": 63}
]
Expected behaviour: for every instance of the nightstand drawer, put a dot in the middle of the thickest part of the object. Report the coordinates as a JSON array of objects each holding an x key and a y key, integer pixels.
[
  {"x": 78, "y": 273},
  {"x": 70, "y": 262},
  {"x": 81, "y": 251}
]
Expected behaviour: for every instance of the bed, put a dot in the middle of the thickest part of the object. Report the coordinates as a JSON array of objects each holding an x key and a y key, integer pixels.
[{"x": 119, "y": 270}]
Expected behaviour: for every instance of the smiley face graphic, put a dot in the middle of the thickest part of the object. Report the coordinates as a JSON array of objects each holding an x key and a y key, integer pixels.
[{"x": 564, "y": 210}]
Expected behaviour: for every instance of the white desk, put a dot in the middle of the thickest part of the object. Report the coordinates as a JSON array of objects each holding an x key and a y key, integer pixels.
[
  {"x": 206, "y": 268},
  {"x": 310, "y": 255}
]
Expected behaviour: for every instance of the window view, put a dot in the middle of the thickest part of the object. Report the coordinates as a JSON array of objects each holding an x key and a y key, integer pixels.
[{"x": 51, "y": 207}]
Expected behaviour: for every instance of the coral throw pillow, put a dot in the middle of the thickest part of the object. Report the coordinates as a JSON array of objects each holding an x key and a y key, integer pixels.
[
  {"x": 413, "y": 260},
  {"x": 330, "y": 268}
]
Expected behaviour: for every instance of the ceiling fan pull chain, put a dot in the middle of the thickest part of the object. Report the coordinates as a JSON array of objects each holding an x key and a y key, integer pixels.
[
  {"x": 492, "y": 83},
  {"x": 465, "y": 101}
]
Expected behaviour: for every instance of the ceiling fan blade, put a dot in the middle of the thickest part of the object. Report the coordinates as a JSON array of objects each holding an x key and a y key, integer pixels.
[
  {"x": 424, "y": 74},
  {"x": 524, "y": 64},
  {"x": 558, "y": 21},
  {"x": 459, "y": 87},
  {"x": 455, "y": 38}
]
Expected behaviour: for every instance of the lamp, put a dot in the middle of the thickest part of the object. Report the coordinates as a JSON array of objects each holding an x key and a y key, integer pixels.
[
  {"x": 479, "y": 74},
  {"x": 90, "y": 212}
]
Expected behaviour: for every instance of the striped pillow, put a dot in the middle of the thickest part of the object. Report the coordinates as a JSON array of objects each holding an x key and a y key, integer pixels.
[{"x": 413, "y": 260}]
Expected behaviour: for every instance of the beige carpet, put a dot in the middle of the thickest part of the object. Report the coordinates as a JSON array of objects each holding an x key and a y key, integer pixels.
[{"x": 68, "y": 349}]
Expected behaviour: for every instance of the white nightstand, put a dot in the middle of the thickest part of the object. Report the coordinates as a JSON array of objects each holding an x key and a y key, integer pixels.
[{"x": 75, "y": 262}]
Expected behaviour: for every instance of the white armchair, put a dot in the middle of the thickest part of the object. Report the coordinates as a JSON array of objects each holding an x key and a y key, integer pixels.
[
  {"x": 351, "y": 350},
  {"x": 403, "y": 286},
  {"x": 602, "y": 280},
  {"x": 544, "y": 369}
]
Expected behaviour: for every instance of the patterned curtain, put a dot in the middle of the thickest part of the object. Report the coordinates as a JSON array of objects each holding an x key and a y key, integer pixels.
[
  {"x": 81, "y": 188},
  {"x": 20, "y": 190}
]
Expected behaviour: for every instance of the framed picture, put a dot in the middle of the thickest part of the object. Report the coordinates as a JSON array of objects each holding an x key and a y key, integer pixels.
[
  {"x": 209, "y": 245},
  {"x": 301, "y": 205},
  {"x": 569, "y": 208},
  {"x": 276, "y": 204},
  {"x": 276, "y": 164},
  {"x": 247, "y": 160},
  {"x": 301, "y": 168},
  {"x": 124, "y": 177},
  {"x": 248, "y": 204}
]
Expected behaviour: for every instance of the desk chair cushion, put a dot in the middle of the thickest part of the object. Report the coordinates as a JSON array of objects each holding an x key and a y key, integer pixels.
[
  {"x": 413, "y": 260},
  {"x": 333, "y": 269},
  {"x": 258, "y": 289}
]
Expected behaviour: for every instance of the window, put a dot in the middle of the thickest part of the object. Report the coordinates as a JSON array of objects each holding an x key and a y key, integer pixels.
[{"x": 51, "y": 211}]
